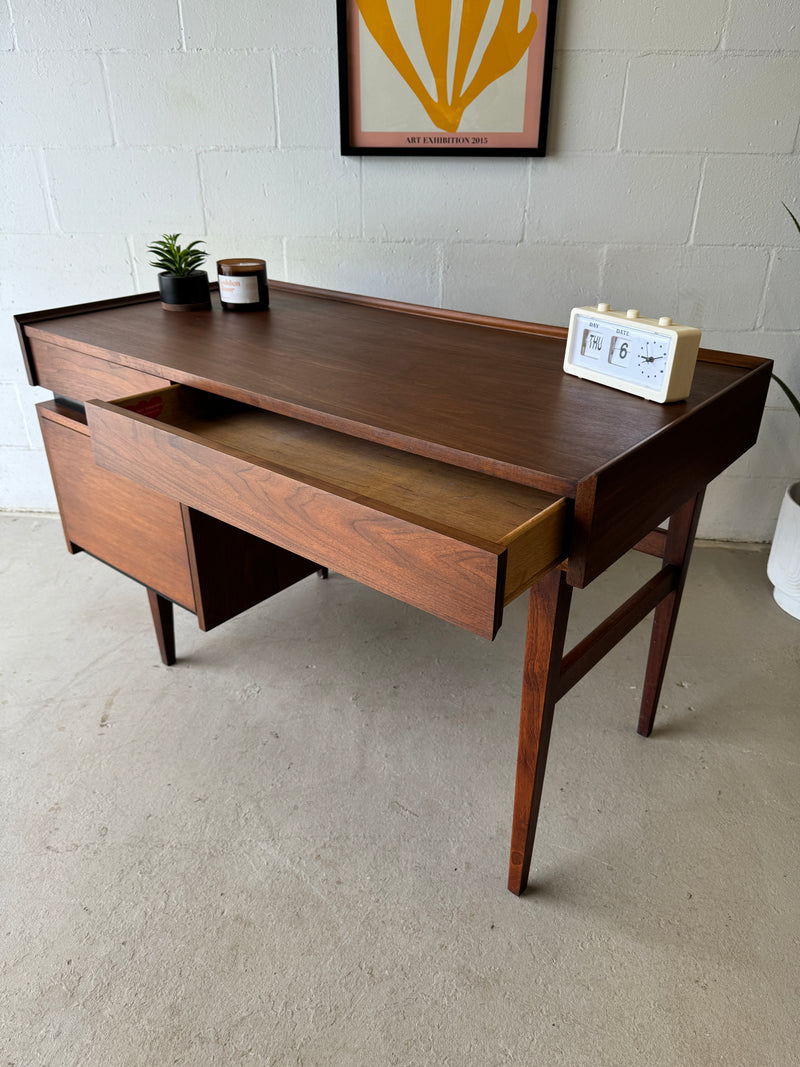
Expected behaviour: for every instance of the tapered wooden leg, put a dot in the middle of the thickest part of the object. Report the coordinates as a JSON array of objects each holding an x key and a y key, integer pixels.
[
  {"x": 164, "y": 623},
  {"x": 548, "y": 611},
  {"x": 678, "y": 550}
]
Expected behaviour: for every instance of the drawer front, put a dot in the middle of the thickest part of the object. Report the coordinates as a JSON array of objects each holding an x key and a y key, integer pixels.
[
  {"x": 135, "y": 530},
  {"x": 83, "y": 377},
  {"x": 450, "y": 578}
]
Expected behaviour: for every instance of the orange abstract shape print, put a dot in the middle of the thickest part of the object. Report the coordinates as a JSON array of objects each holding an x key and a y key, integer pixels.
[{"x": 505, "y": 49}]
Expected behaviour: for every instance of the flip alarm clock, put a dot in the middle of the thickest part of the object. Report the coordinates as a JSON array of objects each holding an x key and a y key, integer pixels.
[{"x": 651, "y": 358}]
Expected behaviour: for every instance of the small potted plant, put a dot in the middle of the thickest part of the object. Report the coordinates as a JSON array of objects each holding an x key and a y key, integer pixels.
[
  {"x": 183, "y": 286},
  {"x": 783, "y": 567}
]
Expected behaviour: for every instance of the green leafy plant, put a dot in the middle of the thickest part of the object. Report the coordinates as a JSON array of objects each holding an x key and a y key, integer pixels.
[
  {"x": 172, "y": 259},
  {"x": 792, "y": 398}
]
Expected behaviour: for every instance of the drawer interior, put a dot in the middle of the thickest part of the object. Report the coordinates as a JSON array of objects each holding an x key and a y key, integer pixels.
[{"x": 467, "y": 504}]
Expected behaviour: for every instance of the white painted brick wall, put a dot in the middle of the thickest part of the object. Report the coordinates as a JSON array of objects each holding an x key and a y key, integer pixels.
[
  {"x": 663, "y": 113},
  {"x": 674, "y": 139},
  {"x": 430, "y": 199},
  {"x": 57, "y": 26},
  {"x": 192, "y": 98},
  {"x": 6, "y": 31},
  {"x": 53, "y": 98},
  {"x": 613, "y": 197},
  {"x": 637, "y": 26}
]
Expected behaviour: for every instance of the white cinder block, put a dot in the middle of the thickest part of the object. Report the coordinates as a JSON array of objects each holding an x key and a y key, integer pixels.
[
  {"x": 294, "y": 193},
  {"x": 537, "y": 283},
  {"x": 780, "y": 347},
  {"x": 24, "y": 208},
  {"x": 768, "y": 27},
  {"x": 6, "y": 32},
  {"x": 395, "y": 271},
  {"x": 710, "y": 288},
  {"x": 97, "y": 24},
  {"x": 577, "y": 78},
  {"x": 635, "y": 26},
  {"x": 119, "y": 190},
  {"x": 613, "y": 198},
  {"x": 782, "y": 310},
  {"x": 13, "y": 428},
  {"x": 52, "y": 270},
  {"x": 25, "y": 483},
  {"x": 776, "y": 454},
  {"x": 53, "y": 98},
  {"x": 259, "y": 24},
  {"x": 739, "y": 508},
  {"x": 740, "y": 202},
  {"x": 199, "y": 98},
  {"x": 12, "y": 369},
  {"x": 307, "y": 119},
  {"x": 444, "y": 199},
  {"x": 711, "y": 103}
]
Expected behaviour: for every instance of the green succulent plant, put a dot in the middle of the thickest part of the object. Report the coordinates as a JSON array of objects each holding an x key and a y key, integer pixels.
[
  {"x": 172, "y": 259},
  {"x": 793, "y": 400}
]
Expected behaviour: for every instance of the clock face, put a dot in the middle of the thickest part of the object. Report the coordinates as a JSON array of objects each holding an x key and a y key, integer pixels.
[{"x": 627, "y": 354}]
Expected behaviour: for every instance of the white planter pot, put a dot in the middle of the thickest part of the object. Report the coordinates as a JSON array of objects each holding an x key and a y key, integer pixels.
[{"x": 783, "y": 567}]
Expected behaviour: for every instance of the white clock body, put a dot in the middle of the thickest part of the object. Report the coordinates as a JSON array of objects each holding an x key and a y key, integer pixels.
[{"x": 651, "y": 358}]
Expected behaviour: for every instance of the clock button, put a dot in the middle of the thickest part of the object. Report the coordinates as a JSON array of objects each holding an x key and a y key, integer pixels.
[
  {"x": 632, "y": 313},
  {"x": 603, "y": 308},
  {"x": 665, "y": 320}
]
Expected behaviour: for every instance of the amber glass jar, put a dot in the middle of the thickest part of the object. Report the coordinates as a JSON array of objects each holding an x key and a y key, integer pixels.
[{"x": 243, "y": 284}]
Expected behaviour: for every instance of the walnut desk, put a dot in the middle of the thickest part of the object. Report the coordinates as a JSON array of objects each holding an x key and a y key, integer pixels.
[{"x": 439, "y": 457}]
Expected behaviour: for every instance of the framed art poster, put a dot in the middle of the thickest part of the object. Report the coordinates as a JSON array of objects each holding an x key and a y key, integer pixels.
[{"x": 445, "y": 77}]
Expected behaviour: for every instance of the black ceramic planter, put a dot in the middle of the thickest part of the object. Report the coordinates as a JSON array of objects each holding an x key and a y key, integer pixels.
[{"x": 189, "y": 293}]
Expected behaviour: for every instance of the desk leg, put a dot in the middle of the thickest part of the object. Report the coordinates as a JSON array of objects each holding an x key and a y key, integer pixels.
[
  {"x": 548, "y": 611},
  {"x": 678, "y": 550},
  {"x": 164, "y": 623}
]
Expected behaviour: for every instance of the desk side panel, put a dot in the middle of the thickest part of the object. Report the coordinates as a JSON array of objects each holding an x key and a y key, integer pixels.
[
  {"x": 630, "y": 496},
  {"x": 135, "y": 530}
]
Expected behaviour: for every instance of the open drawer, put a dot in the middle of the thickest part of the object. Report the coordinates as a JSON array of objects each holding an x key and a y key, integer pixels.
[{"x": 456, "y": 543}]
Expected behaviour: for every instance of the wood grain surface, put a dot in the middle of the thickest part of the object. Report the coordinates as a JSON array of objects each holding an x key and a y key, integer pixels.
[
  {"x": 83, "y": 377},
  {"x": 136, "y": 530},
  {"x": 460, "y": 579}
]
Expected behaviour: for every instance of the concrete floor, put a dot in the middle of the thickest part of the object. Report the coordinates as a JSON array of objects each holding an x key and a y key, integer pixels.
[{"x": 290, "y": 848}]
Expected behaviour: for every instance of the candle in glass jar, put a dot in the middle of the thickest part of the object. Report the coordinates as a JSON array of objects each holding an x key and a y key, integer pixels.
[{"x": 243, "y": 284}]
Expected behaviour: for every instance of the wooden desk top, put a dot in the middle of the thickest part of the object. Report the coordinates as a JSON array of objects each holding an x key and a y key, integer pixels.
[
  {"x": 481, "y": 393},
  {"x": 469, "y": 392}
]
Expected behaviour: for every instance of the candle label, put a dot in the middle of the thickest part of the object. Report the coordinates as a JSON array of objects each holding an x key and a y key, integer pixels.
[{"x": 238, "y": 288}]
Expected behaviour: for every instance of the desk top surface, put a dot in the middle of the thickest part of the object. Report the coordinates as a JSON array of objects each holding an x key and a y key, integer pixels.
[{"x": 482, "y": 393}]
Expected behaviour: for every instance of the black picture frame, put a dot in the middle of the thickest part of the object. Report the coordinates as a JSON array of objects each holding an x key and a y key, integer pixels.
[{"x": 384, "y": 89}]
